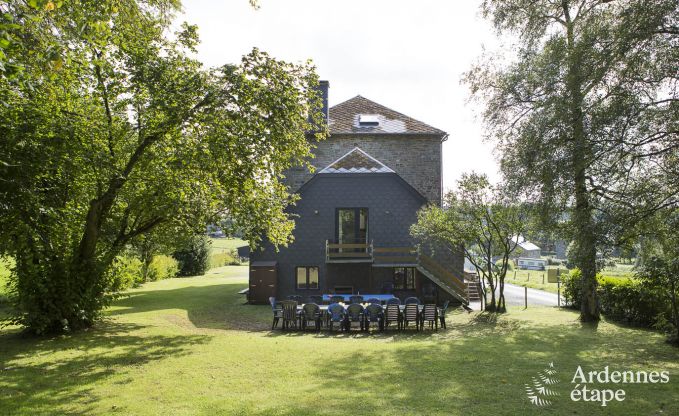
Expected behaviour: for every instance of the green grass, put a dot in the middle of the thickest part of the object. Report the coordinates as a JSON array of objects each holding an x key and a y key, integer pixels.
[
  {"x": 227, "y": 243},
  {"x": 192, "y": 347},
  {"x": 5, "y": 265}
]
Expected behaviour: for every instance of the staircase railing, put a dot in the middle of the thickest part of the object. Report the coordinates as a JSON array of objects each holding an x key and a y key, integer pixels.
[{"x": 444, "y": 278}]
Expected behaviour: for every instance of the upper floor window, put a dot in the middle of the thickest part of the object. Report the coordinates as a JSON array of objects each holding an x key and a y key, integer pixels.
[
  {"x": 404, "y": 278},
  {"x": 307, "y": 277},
  {"x": 352, "y": 225}
]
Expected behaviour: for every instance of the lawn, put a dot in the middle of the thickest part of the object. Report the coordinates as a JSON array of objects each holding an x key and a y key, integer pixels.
[
  {"x": 191, "y": 347},
  {"x": 222, "y": 244}
]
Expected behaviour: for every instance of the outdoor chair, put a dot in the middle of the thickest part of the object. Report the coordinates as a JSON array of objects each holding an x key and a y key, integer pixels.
[
  {"x": 429, "y": 314},
  {"x": 297, "y": 298},
  {"x": 277, "y": 310},
  {"x": 374, "y": 301},
  {"x": 289, "y": 313},
  {"x": 442, "y": 314},
  {"x": 392, "y": 315},
  {"x": 410, "y": 314},
  {"x": 335, "y": 316},
  {"x": 393, "y": 301},
  {"x": 374, "y": 313},
  {"x": 336, "y": 298},
  {"x": 410, "y": 300},
  {"x": 311, "y": 313},
  {"x": 356, "y": 299},
  {"x": 355, "y": 313},
  {"x": 317, "y": 299}
]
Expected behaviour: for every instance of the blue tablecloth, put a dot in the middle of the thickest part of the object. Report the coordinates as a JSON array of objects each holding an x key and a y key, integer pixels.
[{"x": 382, "y": 298}]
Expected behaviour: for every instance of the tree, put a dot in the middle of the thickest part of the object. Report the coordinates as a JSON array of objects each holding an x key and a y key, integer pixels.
[
  {"x": 117, "y": 131},
  {"x": 194, "y": 256},
  {"x": 480, "y": 219},
  {"x": 585, "y": 114},
  {"x": 659, "y": 262}
]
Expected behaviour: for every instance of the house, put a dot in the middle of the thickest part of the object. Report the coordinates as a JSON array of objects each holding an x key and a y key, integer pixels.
[
  {"x": 377, "y": 168},
  {"x": 529, "y": 250}
]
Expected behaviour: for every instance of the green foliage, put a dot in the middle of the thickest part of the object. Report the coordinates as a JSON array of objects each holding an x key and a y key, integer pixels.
[
  {"x": 125, "y": 272},
  {"x": 630, "y": 300},
  {"x": 482, "y": 221},
  {"x": 115, "y": 130},
  {"x": 224, "y": 258},
  {"x": 584, "y": 113},
  {"x": 163, "y": 267},
  {"x": 194, "y": 257}
]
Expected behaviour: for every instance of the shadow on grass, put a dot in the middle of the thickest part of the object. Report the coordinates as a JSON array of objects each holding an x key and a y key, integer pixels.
[
  {"x": 481, "y": 367},
  {"x": 71, "y": 365},
  {"x": 214, "y": 306}
]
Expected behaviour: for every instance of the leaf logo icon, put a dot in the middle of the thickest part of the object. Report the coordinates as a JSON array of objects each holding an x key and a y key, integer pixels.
[{"x": 537, "y": 391}]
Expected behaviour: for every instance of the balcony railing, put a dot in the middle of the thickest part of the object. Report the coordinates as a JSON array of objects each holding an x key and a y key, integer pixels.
[{"x": 354, "y": 252}]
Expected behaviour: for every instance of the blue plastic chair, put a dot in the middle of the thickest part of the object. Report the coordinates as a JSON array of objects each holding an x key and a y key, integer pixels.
[
  {"x": 336, "y": 298},
  {"x": 336, "y": 314}
]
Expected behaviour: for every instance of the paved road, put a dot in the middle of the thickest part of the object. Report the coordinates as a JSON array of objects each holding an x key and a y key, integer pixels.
[{"x": 514, "y": 295}]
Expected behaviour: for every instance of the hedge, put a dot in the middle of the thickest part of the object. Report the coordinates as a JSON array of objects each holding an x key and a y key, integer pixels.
[{"x": 622, "y": 299}]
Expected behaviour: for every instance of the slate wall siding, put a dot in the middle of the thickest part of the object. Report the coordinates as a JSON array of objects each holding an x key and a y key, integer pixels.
[
  {"x": 416, "y": 158},
  {"x": 392, "y": 208}
]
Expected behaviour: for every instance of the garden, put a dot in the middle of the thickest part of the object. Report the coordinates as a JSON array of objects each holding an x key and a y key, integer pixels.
[{"x": 190, "y": 346}]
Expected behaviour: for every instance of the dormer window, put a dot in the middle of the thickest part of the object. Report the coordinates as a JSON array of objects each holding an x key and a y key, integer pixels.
[{"x": 368, "y": 120}]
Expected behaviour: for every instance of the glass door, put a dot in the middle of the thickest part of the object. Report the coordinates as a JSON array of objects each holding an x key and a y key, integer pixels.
[{"x": 352, "y": 227}]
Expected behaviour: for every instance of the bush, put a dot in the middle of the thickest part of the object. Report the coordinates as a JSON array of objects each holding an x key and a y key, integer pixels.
[
  {"x": 225, "y": 258},
  {"x": 622, "y": 299},
  {"x": 125, "y": 272},
  {"x": 163, "y": 267},
  {"x": 194, "y": 258}
]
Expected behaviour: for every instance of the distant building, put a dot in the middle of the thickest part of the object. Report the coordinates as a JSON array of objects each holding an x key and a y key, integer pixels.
[
  {"x": 529, "y": 263},
  {"x": 529, "y": 250}
]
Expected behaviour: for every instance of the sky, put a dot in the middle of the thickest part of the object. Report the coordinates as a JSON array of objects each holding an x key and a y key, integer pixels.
[{"x": 406, "y": 55}]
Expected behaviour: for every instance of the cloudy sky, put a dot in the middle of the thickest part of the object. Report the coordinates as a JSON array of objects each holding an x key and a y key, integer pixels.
[{"x": 407, "y": 55}]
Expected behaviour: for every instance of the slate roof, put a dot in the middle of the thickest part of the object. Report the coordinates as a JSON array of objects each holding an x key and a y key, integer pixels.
[
  {"x": 344, "y": 119},
  {"x": 356, "y": 161}
]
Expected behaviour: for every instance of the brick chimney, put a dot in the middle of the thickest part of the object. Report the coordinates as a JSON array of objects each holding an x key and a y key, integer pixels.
[{"x": 324, "y": 86}]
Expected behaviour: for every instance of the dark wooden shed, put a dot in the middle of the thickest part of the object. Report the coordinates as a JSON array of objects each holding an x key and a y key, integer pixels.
[{"x": 263, "y": 281}]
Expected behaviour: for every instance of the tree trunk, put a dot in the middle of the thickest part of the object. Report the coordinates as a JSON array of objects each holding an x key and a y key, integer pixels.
[{"x": 580, "y": 155}]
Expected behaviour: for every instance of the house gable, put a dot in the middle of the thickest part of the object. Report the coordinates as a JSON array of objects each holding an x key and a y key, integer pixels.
[{"x": 356, "y": 161}]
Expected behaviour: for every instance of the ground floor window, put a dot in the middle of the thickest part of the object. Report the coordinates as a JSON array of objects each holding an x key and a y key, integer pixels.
[
  {"x": 404, "y": 278},
  {"x": 307, "y": 277}
]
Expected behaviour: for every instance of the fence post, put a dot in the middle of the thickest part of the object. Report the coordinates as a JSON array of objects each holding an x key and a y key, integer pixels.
[
  {"x": 558, "y": 291},
  {"x": 525, "y": 296},
  {"x": 528, "y": 280},
  {"x": 543, "y": 278},
  {"x": 514, "y": 274}
]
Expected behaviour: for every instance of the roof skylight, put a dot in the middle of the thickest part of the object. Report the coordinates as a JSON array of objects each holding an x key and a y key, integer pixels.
[{"x": 368, "y": 120}]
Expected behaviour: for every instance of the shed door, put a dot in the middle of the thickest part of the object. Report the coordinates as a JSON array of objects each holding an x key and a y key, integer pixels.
[{"x": 262, "y": 283}]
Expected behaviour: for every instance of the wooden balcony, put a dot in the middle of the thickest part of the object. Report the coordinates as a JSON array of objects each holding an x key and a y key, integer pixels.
[
  {"x": 348, "y": 252},
  {"x": 394, "y": 256}
]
